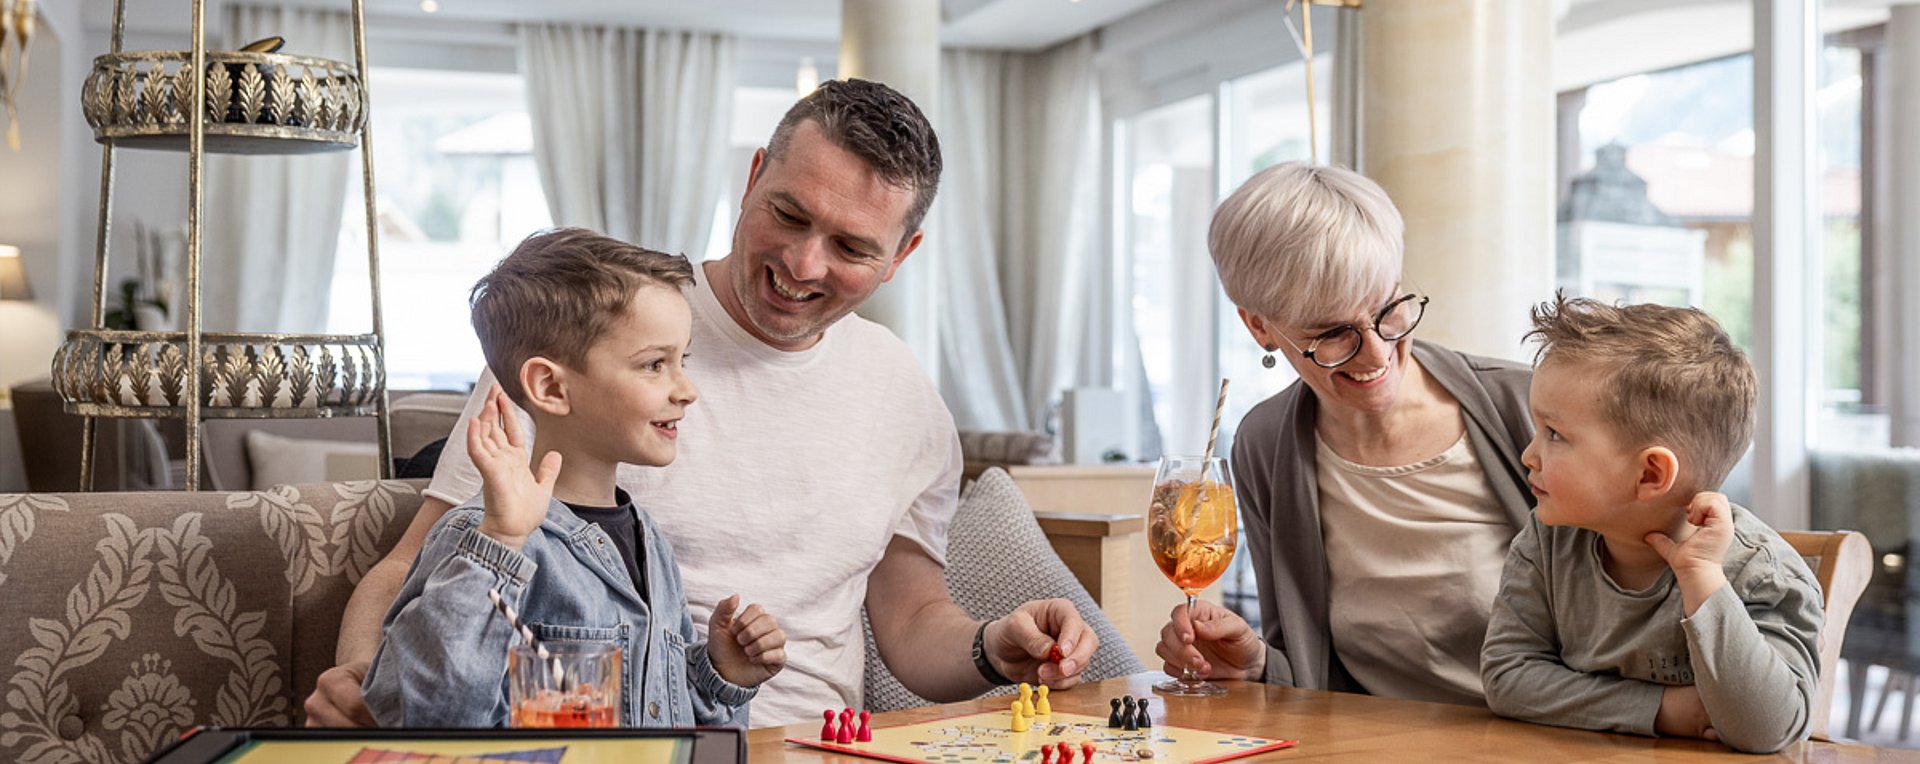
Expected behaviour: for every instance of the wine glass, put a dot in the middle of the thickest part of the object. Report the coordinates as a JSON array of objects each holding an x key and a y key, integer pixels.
[{"x": 1191, "y": 531}]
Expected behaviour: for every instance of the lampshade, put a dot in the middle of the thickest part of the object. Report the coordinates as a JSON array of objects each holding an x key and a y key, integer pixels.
[{"x": 13, "y": 275}]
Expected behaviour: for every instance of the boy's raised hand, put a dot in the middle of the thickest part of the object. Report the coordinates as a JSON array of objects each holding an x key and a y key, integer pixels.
[
  {"x": 746, "y": 647},
  {"x": 515, "y": 497},
  {"x": 1697, "y": 559}
]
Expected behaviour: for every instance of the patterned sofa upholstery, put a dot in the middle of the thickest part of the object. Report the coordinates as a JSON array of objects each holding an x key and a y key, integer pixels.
[{"x": 131, "y": 617}]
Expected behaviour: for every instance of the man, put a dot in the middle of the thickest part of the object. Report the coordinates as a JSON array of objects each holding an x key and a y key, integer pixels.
[{"x": 823, "y": 470}]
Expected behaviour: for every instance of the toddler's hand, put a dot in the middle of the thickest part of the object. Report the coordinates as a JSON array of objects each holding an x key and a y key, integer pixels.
[
  {"x": 1697, "y": 560},
  {"x": 747, "y": 647},
  {"x": 516, "y": 499},
  {"x": 1682, "y": 714}
]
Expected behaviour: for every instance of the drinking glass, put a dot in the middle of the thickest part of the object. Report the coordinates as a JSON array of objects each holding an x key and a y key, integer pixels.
[
  {"x": 577, "y": 686},
  {"x": 1191, "y": 532}
]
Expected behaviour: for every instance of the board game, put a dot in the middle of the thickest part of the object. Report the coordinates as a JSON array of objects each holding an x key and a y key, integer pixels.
[{"x": 988, "y": 737}]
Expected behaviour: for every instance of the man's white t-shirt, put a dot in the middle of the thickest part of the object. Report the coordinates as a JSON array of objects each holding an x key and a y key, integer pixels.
[{"x": 795, "y": 470}]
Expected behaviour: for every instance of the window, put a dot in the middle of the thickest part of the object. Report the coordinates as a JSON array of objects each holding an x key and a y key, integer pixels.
[{"x": 457, "y": 188}]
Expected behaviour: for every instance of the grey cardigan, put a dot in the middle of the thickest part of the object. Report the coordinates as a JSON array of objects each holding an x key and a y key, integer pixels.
[{"x": 1275, "y": 480}]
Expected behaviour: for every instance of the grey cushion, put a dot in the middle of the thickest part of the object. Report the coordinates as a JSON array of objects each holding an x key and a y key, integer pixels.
[{"x": 998, "y": 559}]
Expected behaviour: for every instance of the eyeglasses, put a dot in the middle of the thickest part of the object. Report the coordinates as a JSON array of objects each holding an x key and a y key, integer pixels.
[{"x": 1340, "y": 344}]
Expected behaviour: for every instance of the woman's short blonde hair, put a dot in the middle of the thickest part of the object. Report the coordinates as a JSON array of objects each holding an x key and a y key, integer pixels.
[{"x": 1300, "y": 243}]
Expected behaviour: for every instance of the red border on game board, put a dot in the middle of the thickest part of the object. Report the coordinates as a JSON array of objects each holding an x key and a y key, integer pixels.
[{"x": 872, "y": 754}]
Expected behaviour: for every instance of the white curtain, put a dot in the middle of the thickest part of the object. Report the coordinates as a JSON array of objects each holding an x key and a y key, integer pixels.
[
  {"x": 1018, "y": 229},
  {"x": 271, "y": 224},
  {"x": 631, "y": 129}
]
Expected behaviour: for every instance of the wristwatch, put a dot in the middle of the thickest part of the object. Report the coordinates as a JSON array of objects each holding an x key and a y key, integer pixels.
[{"x": 987, "y": 671}]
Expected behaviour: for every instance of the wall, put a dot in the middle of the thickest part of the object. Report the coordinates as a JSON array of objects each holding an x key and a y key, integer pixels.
[{"x": 36, "y": 197}]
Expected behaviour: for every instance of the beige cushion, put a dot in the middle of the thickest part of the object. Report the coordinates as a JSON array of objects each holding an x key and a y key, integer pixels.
[{"x": 277, "y": 460}]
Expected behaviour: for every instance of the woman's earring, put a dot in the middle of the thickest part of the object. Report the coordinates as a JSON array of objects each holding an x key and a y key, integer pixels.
[{"x": 1267, "y": 360}]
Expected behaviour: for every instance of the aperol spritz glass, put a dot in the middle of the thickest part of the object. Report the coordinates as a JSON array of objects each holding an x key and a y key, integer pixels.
[{"x": 1192, "y": 529}]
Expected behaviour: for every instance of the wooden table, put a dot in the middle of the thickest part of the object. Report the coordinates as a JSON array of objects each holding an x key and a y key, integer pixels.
[{"x": 1335, "y": 726}]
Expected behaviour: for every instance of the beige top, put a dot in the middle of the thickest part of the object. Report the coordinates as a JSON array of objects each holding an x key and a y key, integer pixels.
[{"x": 1414, "y": 556}]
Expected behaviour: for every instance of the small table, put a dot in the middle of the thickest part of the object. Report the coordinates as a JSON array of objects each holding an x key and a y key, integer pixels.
[{"x": 1333, "y": 726}]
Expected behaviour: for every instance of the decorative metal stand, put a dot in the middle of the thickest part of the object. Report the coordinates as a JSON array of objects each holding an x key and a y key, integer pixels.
[{"x": 233, "y": 102}]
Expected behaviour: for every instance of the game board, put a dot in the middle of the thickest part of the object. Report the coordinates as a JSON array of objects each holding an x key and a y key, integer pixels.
[{"x": 988, "y": 737}]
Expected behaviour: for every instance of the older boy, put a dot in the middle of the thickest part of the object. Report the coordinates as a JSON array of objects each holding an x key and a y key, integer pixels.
[
  {"x": 1638, "y": 600},
  {"x": 587, "y": 335}
]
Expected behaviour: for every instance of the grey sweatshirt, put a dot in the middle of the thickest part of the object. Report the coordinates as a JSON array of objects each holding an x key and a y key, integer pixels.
[{"x": 1568, "y": 647}]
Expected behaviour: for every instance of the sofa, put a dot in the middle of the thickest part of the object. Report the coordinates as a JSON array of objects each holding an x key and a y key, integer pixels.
[{"x": 132, "y": 617}]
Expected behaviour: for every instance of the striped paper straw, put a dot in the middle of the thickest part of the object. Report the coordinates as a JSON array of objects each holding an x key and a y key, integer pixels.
[
  {"x": 1219, "y": 404},
  {"x": 513, "y": 620}
]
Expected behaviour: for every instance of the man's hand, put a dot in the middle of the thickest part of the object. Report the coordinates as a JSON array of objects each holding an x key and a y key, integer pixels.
[
  {"x": 748, "y": 647},
  {"x": 1682, "y": 714},
  {"x": 336, "y": 701},
  {"x": 1214, "y": 641},
  {"x": 1044, "y": 642},
  {"x": 516, "y": 499},
  {"x": 1698, "y": 558}
]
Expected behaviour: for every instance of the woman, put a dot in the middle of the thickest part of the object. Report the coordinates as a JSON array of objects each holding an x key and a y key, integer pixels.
[{"x": 1380, "y": 491}]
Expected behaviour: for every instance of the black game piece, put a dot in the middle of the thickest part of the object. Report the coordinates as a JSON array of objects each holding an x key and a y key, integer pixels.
[
  {"x": 1144, "y": 721},
  {"x": 1113, "y": 719},
  {"x": 1127, "y": 714}
]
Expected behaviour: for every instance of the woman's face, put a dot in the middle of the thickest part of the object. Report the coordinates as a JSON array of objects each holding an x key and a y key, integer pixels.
[{"x": 1370, "y": 380}]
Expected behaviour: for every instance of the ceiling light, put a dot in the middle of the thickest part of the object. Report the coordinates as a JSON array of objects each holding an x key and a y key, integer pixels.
[{"x": 430, "y": 6}]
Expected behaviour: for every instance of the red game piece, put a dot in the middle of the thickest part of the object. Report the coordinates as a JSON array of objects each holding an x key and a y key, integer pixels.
[
  {"x": 846, "y": 727},
  {"x": 1086, "y": 748},
  {"x": 827, "y": 731},
  {"x": 1066, "y": 752},
  {"x": 1054, "y": 654},
  {"x": 1046, "y": 754},
  {"x": 865, "y": 735}
]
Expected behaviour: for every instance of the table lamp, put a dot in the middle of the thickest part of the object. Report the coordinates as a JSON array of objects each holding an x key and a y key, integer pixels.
[{"x": 13, "y": 275}]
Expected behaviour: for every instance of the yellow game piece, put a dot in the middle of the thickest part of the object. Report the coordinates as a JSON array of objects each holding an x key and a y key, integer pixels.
[
  {"x": 1019, "y": 719},
  {"x": 1043, "y": 708},
  {"x": 1026, "y": 695}
]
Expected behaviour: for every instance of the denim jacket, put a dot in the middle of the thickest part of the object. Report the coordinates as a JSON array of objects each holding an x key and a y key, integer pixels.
[{"x": 443, "y": 649}]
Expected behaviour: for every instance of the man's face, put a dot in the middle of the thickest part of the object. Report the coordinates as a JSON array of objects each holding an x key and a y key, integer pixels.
[{"x": 819, "y": 231}]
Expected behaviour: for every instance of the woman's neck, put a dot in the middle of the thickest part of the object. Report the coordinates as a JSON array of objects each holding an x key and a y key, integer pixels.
[{"x": 1423, "y": 420}]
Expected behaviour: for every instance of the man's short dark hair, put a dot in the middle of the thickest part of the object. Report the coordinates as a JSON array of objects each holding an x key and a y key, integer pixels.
[{"x": 877, "y": 124}]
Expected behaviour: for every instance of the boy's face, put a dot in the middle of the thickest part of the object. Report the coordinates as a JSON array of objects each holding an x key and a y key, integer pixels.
[
  {"x": 634, "y": 389},
  {"x": 1580, "y": 472},
  {"x": 819, "y": 231}
]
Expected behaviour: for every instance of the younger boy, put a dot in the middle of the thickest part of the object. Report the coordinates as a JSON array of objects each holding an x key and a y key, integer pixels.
[
  {"x": 1638, "y": 600},
  {"x": 587, "y": 334}
]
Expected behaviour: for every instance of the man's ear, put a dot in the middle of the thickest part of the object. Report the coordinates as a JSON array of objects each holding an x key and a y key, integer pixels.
[
  {"x": 545, "y": 385},
  {"x": 1659, "y": 470},
  {"x": 913, "y": 243}
]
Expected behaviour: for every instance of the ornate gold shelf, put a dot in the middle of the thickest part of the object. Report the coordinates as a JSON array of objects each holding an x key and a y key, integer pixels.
[
  {"x": 104, "y": 372},
  {"x": 256, "y": 103}
]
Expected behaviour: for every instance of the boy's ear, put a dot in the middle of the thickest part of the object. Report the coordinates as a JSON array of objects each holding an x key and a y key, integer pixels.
[
  {"x": 545, "y": 384},
  {"x": 1659, "y": 470}
]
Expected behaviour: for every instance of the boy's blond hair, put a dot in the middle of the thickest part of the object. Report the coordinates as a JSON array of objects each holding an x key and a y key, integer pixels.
[
  {"x": 557, "y": 294},
  {"x": 1670, "y": 376}
]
